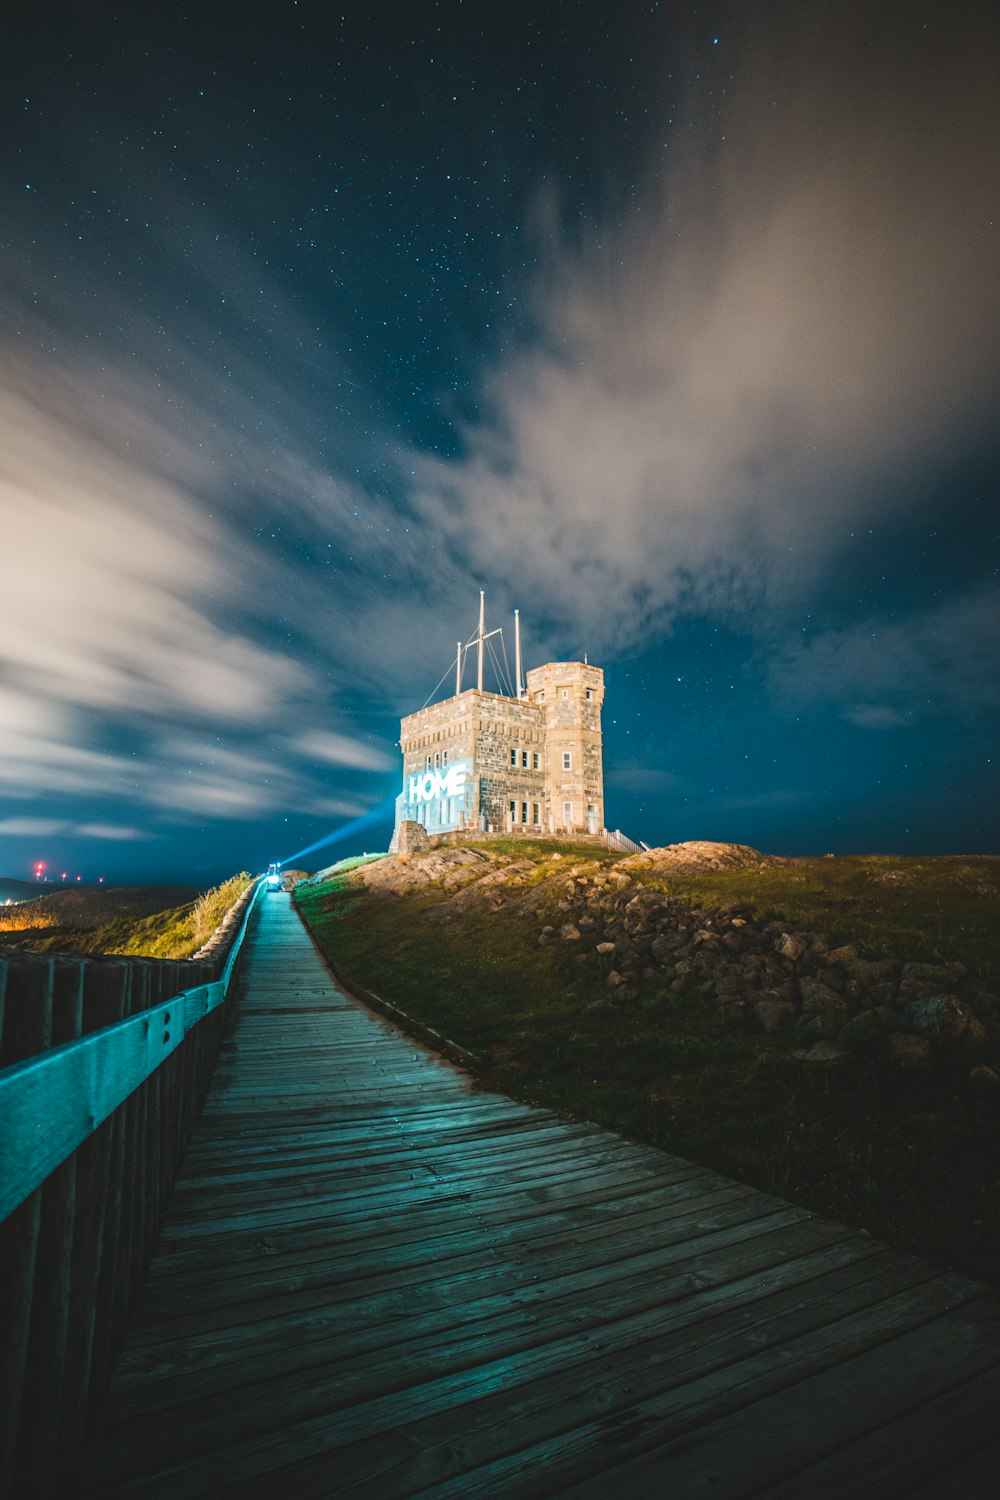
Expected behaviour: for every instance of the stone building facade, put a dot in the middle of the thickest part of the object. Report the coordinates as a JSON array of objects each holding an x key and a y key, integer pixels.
[{"x": 526, "y": 765}]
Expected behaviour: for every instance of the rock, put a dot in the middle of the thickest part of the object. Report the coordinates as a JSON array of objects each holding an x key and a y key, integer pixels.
[
  {"x": 987, "y": 1008},
  {"x": 821, "y": 1003},
  {"x": 790, "y": 946},
  {"x": 911, "y": 1052},
  {"x": 411, "y": 838},
  {"x": 937, "y": 1016},
  {"x": 546, "y": 935},
  {"x": 774, "y": 1015},
  {"x": 827, "y": 1055},
  {"x": 986, "y": 1080},
  {"x": 733, "y": 1014},
  {"x": 697, "y": 855},
  {"x": 869, "y": 1027},
  {"x": 846, "y": 954},
  {"x": 875, "y": 981},
  {"x": 605, "y": 948},
  {"x": 568, "y": 933},
  {"x": 666, "y": 944},
  {"x": 615, "y": 980},
  {"x": 626, "y": 993},
  {"x": 921, "y": 980}
]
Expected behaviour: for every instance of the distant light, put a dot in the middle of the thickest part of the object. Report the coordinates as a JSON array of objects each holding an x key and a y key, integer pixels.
[
  {"x": 100, "y": 880},
  {"x": 79, "y": 877}
]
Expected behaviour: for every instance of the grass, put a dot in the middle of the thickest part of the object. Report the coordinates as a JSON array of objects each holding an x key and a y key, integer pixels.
[
  {"x": 175, "y": 932},
  {"x": 928, "y": 910},
  {"x": 914, "y": 1160}
]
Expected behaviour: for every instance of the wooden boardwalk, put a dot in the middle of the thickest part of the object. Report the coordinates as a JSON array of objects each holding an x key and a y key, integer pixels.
[{"x": 376, "y": 1281}]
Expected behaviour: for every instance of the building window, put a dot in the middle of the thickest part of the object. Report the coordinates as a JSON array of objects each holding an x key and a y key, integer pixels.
[
  {"x": 564, "y": 692},
  {"x": 590, "y": 695},
  {"x": 536, "y": 764},
  {"x": 540, "y": 697},
  {"x": 568, "y": 814},
  {"x": 536, "y": 813},
  {"x": 567, "y": 760},
  {"x": 444, "y": 757},
  {"x": 437, "y": 758},
  {"x": 513, "y": 757},
  {"x": 524, "y": 812},
  {"x": 513, "y": 812},
  {"x": 524, "y": 759},
  {"x": 428, "y": 762}
]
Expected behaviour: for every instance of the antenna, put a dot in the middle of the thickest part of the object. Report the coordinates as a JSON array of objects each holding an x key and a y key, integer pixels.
[
  {"x": 458, "y": 670},
  {"x": 482, "y": 631},
  {"x": 517, "y": 651}
]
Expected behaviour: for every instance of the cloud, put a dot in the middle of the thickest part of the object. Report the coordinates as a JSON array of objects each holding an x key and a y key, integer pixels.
[
  {"x": 112, "y": 831},
  {"x": 108, "y": 571},
  {"x": 339, "y": 807},
  {"x": 875, "y": 716},
  {"x": 943, "y": 660},
  {"x": 29, "y": 828},
  {"x": 799, "y": 322},
  {"x": 631, "y": 778},
  {"x": 340, "y": 750},
  {"x": 52, "y": 827}
]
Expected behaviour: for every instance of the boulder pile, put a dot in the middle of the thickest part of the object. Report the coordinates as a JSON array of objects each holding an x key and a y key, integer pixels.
[{"x": 833, "y": 1004}]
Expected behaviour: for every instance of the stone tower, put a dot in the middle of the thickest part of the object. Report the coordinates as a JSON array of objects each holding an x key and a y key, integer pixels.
[{"x": 570, "y": 695}]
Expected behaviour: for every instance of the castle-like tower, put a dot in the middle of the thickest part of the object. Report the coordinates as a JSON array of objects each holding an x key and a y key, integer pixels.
[{"x": 528, "y": 764}]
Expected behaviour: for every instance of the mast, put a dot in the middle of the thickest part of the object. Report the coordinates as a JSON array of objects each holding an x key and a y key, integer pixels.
[
  {"x": 517, "y": 652},
  {"x": 458, "y": 670},
  {"x": 481, "y": 636}
]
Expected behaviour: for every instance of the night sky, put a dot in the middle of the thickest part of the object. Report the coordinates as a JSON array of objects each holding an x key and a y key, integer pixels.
[{"x": 676, "y": 327}]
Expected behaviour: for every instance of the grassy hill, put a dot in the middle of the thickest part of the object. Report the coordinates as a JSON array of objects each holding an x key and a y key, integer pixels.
[
  {"x": 825, "y": 1029},
  {"x": 148, "y": 920},
  {"x": 17, "y": 890}
]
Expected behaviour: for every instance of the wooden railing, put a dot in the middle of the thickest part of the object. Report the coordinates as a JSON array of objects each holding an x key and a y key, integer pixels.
[
  {"x": 616, "y": 840},
  {"x": 104, "y": 1064}
]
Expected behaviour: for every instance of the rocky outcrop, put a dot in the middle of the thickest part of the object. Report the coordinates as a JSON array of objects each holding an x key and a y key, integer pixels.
[{"x": 697, "y": 856}]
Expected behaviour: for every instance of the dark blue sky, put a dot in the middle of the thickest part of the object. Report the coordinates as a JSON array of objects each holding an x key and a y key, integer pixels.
[{"x": 673, "y": 326}]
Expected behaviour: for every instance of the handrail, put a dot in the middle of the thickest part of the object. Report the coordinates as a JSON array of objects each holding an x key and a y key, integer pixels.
[{"x": 51, "y": 1103}]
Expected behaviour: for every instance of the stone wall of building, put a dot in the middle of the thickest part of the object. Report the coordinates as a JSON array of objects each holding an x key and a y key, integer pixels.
[{"x": 570, "y": 695}]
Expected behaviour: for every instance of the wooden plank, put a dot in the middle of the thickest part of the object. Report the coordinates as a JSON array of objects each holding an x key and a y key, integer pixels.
[
  {"x": 821, "y": 1412},
  {"x": 350, "y": 1370},
  {"x": 43, "y": 1408},
  {"x": 893, "y": 1459},
  {"x": 327, "y": 1282},
  {"x": 406, "y": 1441},
  {"x": 27, "y": 1029}
]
